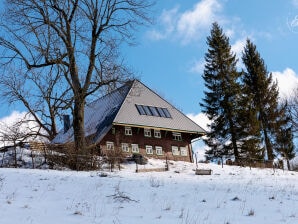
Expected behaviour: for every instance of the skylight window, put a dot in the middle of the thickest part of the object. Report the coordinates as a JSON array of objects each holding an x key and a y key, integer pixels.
[
  {"x": 141, "y": 109},
  {"x": 147, "y": 110},
  {"x": 153, "y": 111}
]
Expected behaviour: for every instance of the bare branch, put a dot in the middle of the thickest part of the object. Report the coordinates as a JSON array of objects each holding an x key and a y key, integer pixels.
[{"x": 80, "y": 39}]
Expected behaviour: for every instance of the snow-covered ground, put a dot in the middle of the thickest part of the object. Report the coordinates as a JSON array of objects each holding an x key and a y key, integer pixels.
[{"x": 230, "y": 195}]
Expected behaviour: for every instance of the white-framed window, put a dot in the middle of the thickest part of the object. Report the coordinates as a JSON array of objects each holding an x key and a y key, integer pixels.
[
  {"x": 128, "y": 131},
  {"x": 183, "y": 151},
  {"x": 149, "y": 149},
  {"x": 157, "y": 133},
  {"x": 158, "y": 150},
  {"x": 175, "y": 151},
  {"x": 147, "y": 132},
  {"x": 177, "y": 136},
  {"x": 110, "y": 145},
  {"x": 135, "y": 148},
  {"x": 125, "y": 147}
]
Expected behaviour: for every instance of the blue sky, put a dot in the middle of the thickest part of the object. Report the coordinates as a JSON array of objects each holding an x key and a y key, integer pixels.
[{"x": 169, "y": 56}]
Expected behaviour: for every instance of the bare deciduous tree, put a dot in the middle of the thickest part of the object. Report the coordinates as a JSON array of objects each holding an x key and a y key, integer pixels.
[
  {"x": 16, "y": 133},
  {"x": 80, "y": 37},
  {"x": 293, "y": 105},
  {"x": 44, "y": 96}
]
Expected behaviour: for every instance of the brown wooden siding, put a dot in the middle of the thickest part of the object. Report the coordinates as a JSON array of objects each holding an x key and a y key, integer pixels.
[{"x": 117, "y": 136}]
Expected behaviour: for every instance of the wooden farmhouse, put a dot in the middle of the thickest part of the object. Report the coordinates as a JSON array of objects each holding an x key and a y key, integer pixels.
[{"x": 135, "y": 119}]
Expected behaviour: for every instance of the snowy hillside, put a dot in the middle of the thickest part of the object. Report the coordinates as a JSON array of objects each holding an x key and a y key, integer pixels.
[{"x": 230, "y": 195}]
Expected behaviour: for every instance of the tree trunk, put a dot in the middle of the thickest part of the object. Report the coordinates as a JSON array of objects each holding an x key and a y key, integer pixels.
[
  {"x": 79, "y": 127},
  {"x": 236, "y": 153},
  {"x": 15, "y": 155},
  {"x": 268, "y": 146},
  {"x": 234, "y": 139},
  {"x": 288, "y": 164}
]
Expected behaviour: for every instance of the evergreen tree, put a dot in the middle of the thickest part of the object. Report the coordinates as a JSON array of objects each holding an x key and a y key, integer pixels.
[
  {"x": 250, "y": 137},
  {"x": 220, "y": 102},
  {"x": 264, "y": 94},
  {"x": 284, "y": 138}
]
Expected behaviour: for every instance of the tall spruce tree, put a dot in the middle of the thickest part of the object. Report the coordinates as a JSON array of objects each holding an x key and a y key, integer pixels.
[
  {"x": 264, "y": 94},
  {"x": 250, "y": 136},
  {"x": 222, "y": 89},
  {"x": 284, "y": 138}
]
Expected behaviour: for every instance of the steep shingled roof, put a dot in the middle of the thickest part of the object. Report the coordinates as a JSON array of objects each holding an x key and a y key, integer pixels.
[
  {"x": 99, "y": 115},
  {"x": 119, "y": 108}
]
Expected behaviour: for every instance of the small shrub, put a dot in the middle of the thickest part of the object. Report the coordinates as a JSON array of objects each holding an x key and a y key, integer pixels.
[
  {"x": 114, "y": 157},
  {"x": 166, "y": 206},
  {"x": 236, "y": 199},
  {"x": 251, "y": 212},
  {"x": 65, "y": 156},
  {"x": 78, "y": 213},
  {"x": 181, "y": 213},
  {"x": 139, "y": 159},
  {"x": 154, "y": 182}
]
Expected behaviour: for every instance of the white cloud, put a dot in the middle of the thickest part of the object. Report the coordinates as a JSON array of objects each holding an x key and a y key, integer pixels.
[
  {"x": 200, "y": 17},
  {"x": 238, "y": 47},
  {"x": 230, "y": 33},
  {"x": 287, "y": 81},
  {"x": 199, "y": 147},
  {"x": 188, "y": 25},
  {"x": 198, "y": 66},
  {"x": 156, "y": 35},
  {"x": 292, "y": 20},
  {"x": 17, "y": 122},
  {"x": 295, "y": 3},
  {"x": 201, "y": 119},
  {"x": 293, "y": 23},
  {"x": 14, "y": 117},
  {"x": 167, "y": 21}
]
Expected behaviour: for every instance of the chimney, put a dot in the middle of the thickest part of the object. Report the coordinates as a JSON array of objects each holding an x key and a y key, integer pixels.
[{"x": 66, "y": 122}]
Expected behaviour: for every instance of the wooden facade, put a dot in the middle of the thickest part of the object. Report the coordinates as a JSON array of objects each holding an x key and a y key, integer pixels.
[
  {"x": 135, "y": 119},
  {"x": 164, "y": 142}
]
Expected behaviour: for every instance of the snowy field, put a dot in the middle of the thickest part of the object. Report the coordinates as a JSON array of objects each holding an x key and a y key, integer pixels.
[{"x": 230, "y": 195}]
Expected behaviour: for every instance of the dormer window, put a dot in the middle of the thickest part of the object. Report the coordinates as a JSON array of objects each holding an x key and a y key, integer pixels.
[{"x": 128, "y": 131}]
